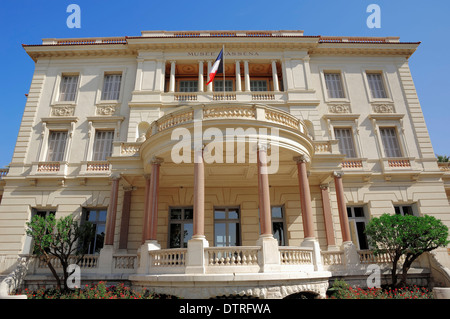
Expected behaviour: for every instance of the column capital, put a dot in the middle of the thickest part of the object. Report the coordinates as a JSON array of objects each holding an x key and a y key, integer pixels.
[
  {"x": 301, "y": 159},
  {"x": 115, "y": 176},
  {"x": 324, "y": 186},
  {"x": 338, "y": 174},
  {"x": 156, "y": 160}
]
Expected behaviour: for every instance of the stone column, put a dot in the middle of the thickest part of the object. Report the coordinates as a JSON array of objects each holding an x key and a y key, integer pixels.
[
  {"x": 196, "y": 257},
  {"x": 125, "y": 219},
  {"x": 200, "y": 76},
  {"x": 209, "y": 87},
  {"x": 342, "y": 207},
  {"x": 172, "y": 77},
  {"x": 199, "y": 194},
  {"x": 276, "y": 86},
  {"x": 146, "y": 206},
  {"x": 307, "y": 215},
  {"x": 105, "y": 259},
  {"x": 246, "y": 77},
  {"x": 305, "y": 197},
  {"x": 263, "y": 193},
  {"x": 238, "y": 77},
  {"x": 268, "y": 255},
  {"x": 112, "y": 210},
  {"x": 327, "y": 217},
  {"x": 351, "y": 257},
  {"x": 151, "y": 220}
]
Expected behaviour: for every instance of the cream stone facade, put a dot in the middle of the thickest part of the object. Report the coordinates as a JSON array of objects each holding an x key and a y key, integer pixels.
[{"x": 340, "y": 114}]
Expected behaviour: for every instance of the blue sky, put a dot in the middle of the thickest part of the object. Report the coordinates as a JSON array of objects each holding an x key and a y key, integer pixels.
[{"x": 27, "y": 22}]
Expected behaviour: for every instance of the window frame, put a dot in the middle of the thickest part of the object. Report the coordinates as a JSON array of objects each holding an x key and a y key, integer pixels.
[
  {"x": 118, "y": 91},
  {"x": 193, "y": 81},
  {"x": 182, "y": 221},
  {"x": 399, "y": 209},
  {"x": 227, "y": 81},
  {"x": 261, "y": 80},
  {"x": 76, "y": 85},
  {"x": 341, "y": 83},
  {"x": 353, "y": 220},
  {"x": 103, "y": 154},
  {"x": 387, "y": 88},
  {"x": 62, "y": 154},
  {"x": 282, "y": 220},
  {"x": 400, "y": 153},
  {"x": 85, "y": 218},
  {"x": 343, "y": 76},
  {"x": 352, "y": 136},
  {"x": 228, "y": 221}
]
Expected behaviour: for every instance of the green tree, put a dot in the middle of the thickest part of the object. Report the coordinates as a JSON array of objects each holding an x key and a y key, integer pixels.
[
  {"x": 407, "y": 235},
  {"x": 443, "y": 158},
  {"x": 61, "y": 238}
]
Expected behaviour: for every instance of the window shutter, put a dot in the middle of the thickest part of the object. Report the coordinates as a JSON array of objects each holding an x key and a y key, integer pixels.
[
  {"x": 68, "y": 88},
  {"x": 334, "y": 86},
  {"x": 56, "y": 146},
  {"x": 346, "y": 144},
  {"x": 390, "y": 142},
  {"x": 376, "y": 85},
  {"x": 102, "y": 145},
  {"x": 111, "y": 87}
]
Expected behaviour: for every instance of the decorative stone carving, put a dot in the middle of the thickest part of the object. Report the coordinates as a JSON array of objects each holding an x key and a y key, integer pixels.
[
  {"x": 383, "y": 108},
  {"x": 106, "y": 109},
  {"x": 63, "y": 110},
  {"x": 339, "y": 108}
]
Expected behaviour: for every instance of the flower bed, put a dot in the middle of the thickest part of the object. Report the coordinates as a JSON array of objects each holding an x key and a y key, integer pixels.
[
  {"x": 341, "y": 290},
  {"x": 99, "y": 290}
]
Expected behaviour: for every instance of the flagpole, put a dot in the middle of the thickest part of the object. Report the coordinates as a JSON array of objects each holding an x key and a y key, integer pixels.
[{"x": 223, "y": 57}]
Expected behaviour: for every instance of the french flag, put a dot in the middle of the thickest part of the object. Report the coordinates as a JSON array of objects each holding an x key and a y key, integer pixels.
[{"x": 217, "y": 67}]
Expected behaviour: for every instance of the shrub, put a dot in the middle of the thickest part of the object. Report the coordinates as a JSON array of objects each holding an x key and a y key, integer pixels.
[
  {"x": 98, "y": 290},
  {"x": 341, "y": 290}
]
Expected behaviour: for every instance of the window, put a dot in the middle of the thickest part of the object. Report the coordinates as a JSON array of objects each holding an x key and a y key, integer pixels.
[
  {"x": 226, "y": 227},
  {"x": 218, "y": 85},
  {"x": 103, "y": 145},
  {"x": 333, "y": 82},
  {"x": 357, "y": 222},
  {"x": 111, "y": 86},
  {"x": 390, "y": 142},
  {"x": 346, "y": 143},
  {"x": 258, "y": 85},
  {"x": 403, "y": 210},
  {"x": 56, "y": 146},
  {"x": 68, "y": 88},
  {"x": 181, "y": 226},
  {"x": 188, "y": 86},
  {"x": 278, "y": 225},
  {"x": 376, "y": 85},
  {"x": 98, "y": 218}
]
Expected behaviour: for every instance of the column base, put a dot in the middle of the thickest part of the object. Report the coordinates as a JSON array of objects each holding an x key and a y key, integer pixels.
[
  {"x": 317, "y": 257},
  {"x": 144, "y": 262},
  {"x": 351, "y": 257},
  {"x": 268, "y": 256},
  {"x": 196, "y": 256},
  {"x": 105, "y": 259}
]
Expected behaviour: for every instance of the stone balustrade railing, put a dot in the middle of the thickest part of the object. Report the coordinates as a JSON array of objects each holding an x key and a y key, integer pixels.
[
  {"x": 168, "y": 257},
  {"x": 214, "y": 112},
  {"x": 232, "y": 256},
  {"x": 295, "y": 256}
]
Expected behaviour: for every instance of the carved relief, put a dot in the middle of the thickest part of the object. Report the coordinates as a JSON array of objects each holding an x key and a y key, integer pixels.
[
  {"x": 383, "y": 108},
  {"x": 63, "y": 110},
  {"x": 339, "y": 108},
  {"x": 106, "y": 109}
]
